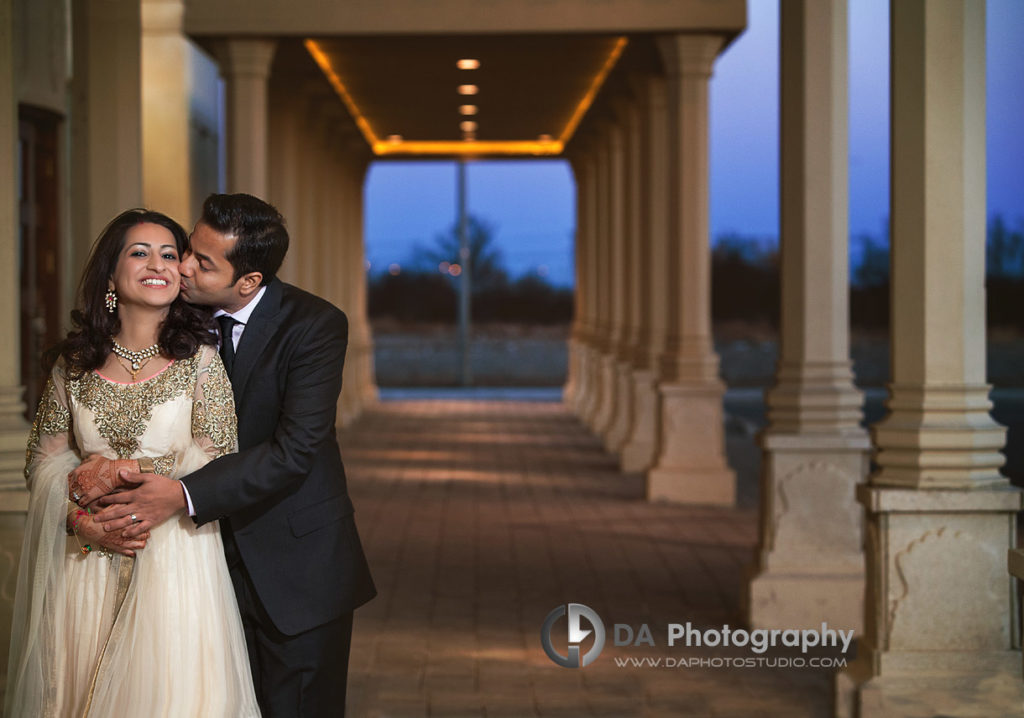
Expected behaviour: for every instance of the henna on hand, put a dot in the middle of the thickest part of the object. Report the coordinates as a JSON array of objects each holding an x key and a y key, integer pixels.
[{"x": 98, "y": 476}]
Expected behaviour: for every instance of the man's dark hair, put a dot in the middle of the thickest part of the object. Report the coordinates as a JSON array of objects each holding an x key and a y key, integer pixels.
[{"x": 262, "y": 240}]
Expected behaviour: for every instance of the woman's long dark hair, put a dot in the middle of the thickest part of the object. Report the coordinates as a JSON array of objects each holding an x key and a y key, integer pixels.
[{"x": 88, "y": 344}]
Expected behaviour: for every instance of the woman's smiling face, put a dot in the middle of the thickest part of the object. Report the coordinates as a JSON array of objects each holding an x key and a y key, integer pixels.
[{"x": 147, "y": 268}]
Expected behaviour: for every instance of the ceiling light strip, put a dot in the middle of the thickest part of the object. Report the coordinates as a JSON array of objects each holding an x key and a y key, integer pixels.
[
  {"x": 324, "y": 62},
  {"x": 470, "y": 147},
  {"x": 595, "y": 87}
]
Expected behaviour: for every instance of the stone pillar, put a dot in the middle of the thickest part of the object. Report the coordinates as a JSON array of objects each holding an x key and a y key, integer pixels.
[
  {"x": 625, "y": 268},
  {"x": 651, "y": 296},
  {"x": 13, "y": 429},
  {"x": 941, "y": 617},
  {"x": 348, "y": 198},
  {"x": 811, "y": 562},
  {"x": 245, "y": 66},
  {"x": 595, "y": 265},
  {"x": 285, "y": 175},
  {"x": 364, "y": 333},
  {"x": 691, "y": 466},
  {"x": 611, "y": 403},
  {"x": 571, "y": 392},
  {"x": 106, "y": 118},
  {"x": 166, "y": 97},
  {"x": 586, "y": 289}
]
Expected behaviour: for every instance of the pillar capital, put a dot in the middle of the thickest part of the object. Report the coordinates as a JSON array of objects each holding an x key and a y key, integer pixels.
[
  {"x": 687, "y": 54},
  {"x": 245, "y": 65},
  {"x": 245, "y": 57}
]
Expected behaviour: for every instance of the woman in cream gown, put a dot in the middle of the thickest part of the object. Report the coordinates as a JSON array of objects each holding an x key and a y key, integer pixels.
[{"x": 106, "y": 634}]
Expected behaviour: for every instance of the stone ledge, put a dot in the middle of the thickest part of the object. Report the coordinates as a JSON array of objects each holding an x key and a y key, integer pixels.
[{"x": 881, "y": 499}]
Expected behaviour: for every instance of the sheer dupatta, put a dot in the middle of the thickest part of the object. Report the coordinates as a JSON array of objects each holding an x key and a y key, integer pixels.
[{"x": 37, "y": 635}]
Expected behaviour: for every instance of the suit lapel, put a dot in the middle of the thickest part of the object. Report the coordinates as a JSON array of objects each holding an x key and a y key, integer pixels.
[{"x": 261, "y": 326}]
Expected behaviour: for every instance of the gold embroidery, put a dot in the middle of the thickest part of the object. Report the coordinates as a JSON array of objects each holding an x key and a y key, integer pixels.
[
  {"x": 123, "y": 410},
  {"x": 213, "y": 413},
  {"x": 164, "y": 465},
  {"x": 52, "y": 418}
]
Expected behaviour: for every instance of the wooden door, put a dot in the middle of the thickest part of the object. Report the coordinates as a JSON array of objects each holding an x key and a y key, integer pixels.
[{"x": 39, "y": 245}]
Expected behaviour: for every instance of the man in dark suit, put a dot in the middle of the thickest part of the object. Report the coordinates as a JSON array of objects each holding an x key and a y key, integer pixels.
[{"x": 286, "y": 518}]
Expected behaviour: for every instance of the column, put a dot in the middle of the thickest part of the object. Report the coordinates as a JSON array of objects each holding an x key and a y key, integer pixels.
[
  {"x": 285, "y": 175},
  {"x": 624, "y": 267},
  {"x": 586, "y": 240},
  {"x": 941, "y": 616},
  {"x": 810, "y": 558},
  {"x": 599, "y": 266},
  {"x": 13, "y": 429},
  {"x": 367, "y": 377},
  {"x": 613, "y": 270},
  {"x": 245, "y": 66},
  {"x": 640, "y": 450},
  {"x": 691, "y": 466},
  {"x": 166, "y": 96},
  {"x": 571, "y": 391},
  {"x": 106, "y": 118}
]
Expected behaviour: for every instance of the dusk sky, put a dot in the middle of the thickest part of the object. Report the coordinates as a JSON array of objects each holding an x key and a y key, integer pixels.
[{"x": 531, "y": 202}]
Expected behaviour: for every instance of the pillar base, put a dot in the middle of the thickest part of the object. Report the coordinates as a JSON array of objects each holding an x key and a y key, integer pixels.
[
  {"x": 806, "y": 600},
  {"x": 591, "y": 387},
  {"x": 692, "y": 486},
  {"x": 811, "y": 559},
  {"x": 622, "y": 412},
  {"x": 604, "y": 415},
  {"x": 691, "y": 466},
  {"x": 941, "y": 631},
  {"x": 640, "y": 449},
  {"x": 13, "y": 507},
  {"x": 985, "y": 686}
]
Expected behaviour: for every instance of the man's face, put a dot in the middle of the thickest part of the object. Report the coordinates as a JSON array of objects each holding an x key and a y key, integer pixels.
[{"x": 207, "y": 277}]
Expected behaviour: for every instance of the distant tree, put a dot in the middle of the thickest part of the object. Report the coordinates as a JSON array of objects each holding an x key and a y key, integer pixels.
[
  {"x": 873, "y": 268},
  {"x": 1003, "y": 250},
  {"x": 486, "y": 264}
]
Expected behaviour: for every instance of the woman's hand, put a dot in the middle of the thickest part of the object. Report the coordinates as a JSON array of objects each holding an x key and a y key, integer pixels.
[
  {"x": 91, "y": 533},
  {"x": 97, "y": 476}
]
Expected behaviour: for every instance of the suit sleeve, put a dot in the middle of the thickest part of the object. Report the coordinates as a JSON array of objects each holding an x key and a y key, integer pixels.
[{"x": 308, "y": 408}]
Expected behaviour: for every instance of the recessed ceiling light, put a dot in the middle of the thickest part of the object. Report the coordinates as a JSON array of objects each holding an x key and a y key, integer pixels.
[
  {"x": 468, "y": 64},
  {"x": 544, "y": 138},
  {"x": 468, "y": 89},
  {"x": 467, "y": 109},
  {"x": 394, "y": 138},
  {"x": 467, "y": 126},
  {"x": 468, "y": 136}
]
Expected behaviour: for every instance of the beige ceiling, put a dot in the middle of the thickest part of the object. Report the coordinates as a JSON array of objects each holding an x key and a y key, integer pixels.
[{"x": 529, "y": 85}]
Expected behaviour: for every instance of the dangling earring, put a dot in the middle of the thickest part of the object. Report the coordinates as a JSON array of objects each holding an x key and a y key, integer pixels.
[{"x": 110, "y": 299}]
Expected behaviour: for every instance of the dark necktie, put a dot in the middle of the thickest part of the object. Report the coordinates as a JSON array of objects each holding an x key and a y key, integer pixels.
[{"x": 227, "y": 345}]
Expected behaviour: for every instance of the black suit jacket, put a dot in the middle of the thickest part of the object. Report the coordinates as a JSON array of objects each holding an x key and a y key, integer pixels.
[{"x": 284, "y": 494}]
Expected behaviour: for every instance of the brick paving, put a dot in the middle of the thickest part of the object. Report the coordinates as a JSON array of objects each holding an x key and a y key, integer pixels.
[{"x": 480, "y": 517}]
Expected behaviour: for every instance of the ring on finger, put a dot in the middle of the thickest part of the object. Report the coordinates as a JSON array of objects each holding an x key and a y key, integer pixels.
[
  {"x": 135, "y": 519},
  {"x": 75, "y": 496}
]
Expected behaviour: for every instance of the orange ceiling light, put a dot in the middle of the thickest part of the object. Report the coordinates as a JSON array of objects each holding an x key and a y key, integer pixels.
[
  {"x": 468, "y": 63},
  {"x": 324, "y": 63},
  {"x": 544, "y": 145},
  {"x": 595, "y": 86}
]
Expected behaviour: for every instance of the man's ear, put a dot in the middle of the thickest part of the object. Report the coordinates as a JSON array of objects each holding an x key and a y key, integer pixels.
[{"x": 249, "y": 284}]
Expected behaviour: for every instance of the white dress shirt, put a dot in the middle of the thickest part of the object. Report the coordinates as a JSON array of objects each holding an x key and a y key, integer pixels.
[{"x": 241, "y": 317}]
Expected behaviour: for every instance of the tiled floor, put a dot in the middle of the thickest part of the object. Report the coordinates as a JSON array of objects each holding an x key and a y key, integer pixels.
[{"x": 480, "y": 517}]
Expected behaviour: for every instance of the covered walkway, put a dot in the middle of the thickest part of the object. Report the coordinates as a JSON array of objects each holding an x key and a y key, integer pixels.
[{"x": 480, "y": 517}]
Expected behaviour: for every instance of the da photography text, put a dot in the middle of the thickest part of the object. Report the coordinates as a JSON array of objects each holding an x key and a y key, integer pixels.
[{"x": 583, "y": 621}]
